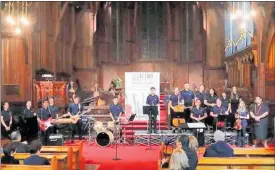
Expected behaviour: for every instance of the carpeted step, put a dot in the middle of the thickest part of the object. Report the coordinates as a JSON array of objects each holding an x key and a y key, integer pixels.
[{"x": 142, "y": 127}]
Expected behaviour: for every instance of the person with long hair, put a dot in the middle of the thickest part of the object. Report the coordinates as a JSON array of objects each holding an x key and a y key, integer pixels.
[
  {"x": 234, "y": 103},
  {"x": 179, "y": 159},
  {"x": 259, "y": 113},
  {"x": 209, "y": 102},
  {"x": 193, "y": 144},
  {"x": 242, "y": 115}
]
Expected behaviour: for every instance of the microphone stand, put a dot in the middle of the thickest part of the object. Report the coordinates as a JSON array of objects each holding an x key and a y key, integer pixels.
[{"x": 116, "y": 158}]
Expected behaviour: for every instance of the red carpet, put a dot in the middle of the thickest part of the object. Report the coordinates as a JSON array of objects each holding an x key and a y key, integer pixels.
[{"x": 132, "y": 157}]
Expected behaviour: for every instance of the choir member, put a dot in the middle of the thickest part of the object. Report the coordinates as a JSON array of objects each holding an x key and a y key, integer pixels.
[{"x": 6, "y": 121}]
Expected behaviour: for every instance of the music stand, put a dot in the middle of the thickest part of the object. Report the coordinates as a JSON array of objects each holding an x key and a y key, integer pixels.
[
  {"x": 147, "y": 110},
  {"x": 130, "y": 120}
]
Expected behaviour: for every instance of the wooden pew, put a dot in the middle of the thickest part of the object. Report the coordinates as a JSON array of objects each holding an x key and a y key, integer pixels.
[
  {"x": 74, "y": 153},
  {"x": 233, "y": 163},
  {"x": 60, "y": 159},
  {"x": 237, "y": 151},
  {"x": 53, "y": 166}
]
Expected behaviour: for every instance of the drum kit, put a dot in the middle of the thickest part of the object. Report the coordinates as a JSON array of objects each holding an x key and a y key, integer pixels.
[{"x": 106, "y": 133}]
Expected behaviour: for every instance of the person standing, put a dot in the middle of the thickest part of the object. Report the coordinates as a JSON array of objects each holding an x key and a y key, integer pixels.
[
  {"x": 187, "y": 97},
  {"x": 153, "y": 100},
  {"x": 175, "y": 101},
  {"x": 54, "y": 112},
  {"x": 242, "y": 115},
  {"x": 74, "y": 109},
  {"x": 200, "y": 95},
  {"x": 6, "y": 121},
  {"x": 198, "y": 114},
  {"x": 259, "y": 113},
  {"x": 44, "y": 115},
  {"x": 209, "y": 102},
  {"x": 226, "y": 104},
  {"x": 234, "y": 103},
  {"x": 30, "y": 121}
]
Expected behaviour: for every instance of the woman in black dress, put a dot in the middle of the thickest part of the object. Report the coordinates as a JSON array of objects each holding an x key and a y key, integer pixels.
[
  {"x": 6, "y": 121},
  {"x": 234, "y": 104},
  {"x": 259, "y": 113}
]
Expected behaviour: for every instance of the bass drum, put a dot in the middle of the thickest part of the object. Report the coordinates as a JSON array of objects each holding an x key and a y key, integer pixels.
[{"x": 104, "y": 138}]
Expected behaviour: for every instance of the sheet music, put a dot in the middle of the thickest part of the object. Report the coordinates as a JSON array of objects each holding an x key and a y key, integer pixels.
[{"x": 196, "y": 125}]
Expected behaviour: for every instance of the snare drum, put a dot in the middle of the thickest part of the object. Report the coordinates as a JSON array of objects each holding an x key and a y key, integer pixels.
[{"x": 98, "y": 126}]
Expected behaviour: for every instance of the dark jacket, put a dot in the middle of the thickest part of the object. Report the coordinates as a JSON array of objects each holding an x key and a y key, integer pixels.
[
  {"x": 36, "y": 160},
  {"x": 21, "y": 147},
  {"x": 219, "y": 149},
  {"x": 192, "y": 158},
  {"x": 7, "y": 159}
]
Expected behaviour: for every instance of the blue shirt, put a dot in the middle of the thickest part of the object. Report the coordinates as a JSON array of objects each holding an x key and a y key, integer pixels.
[
  {"x": 200, "y": 96},
  {"x": 187, "y": 96},
  {"x": 259, "y": 110},
  {"x": 36, "y": 160},
  {"x": 115, "y": 110},
  {"x": 44, "y": 114},
  {"x": 225, "y": 102},
  {"x": 152, "y": 100},
  {"x": 211, "y": 99},
  {"x": 244, "y": 122},
  {"x": 28, "y": 112},
  {"x": 175, "y": 99},
  {"x": 198, "y": 112},
  {"x": 75, "y": 108},
  {"x": 218, "y": 110},
  {"x": 54, "y": 110}
]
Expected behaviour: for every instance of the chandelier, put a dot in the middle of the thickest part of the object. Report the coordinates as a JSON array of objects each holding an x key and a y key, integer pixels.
[{"x": 16, "y": 15}]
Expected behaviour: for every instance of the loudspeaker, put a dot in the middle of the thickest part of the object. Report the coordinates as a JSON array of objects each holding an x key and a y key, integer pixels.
[{"x": 56, "y": 140}]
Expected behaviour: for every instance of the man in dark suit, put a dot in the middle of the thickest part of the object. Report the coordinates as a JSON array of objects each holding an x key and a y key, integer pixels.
[
  {"x": 16, "y": 141},
  {"x": 35, "y": 159}
]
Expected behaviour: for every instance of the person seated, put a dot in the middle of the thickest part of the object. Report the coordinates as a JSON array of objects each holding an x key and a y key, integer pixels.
[
  {"x": 191, "y": 153},
  {"x": 179, "y": 159},
  {"x": 8, "y": 157},
  {"x": 193, "y": 144},
  {"x": 35, "y": 159},
  {"x": 16, "y": 141},
  {"x": 220, "y": 148}
]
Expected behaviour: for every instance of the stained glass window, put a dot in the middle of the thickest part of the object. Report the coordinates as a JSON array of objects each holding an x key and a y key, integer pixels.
[{"x": 239, "y": 27}]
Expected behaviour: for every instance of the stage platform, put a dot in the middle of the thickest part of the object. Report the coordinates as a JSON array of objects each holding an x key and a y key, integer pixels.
[{"x": 141, "y": 137}]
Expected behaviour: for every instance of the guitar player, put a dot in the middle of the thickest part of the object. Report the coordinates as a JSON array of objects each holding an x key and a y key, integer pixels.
[
  {"x": 74, "y": 109},
  {"x": 43, "y": 115}
]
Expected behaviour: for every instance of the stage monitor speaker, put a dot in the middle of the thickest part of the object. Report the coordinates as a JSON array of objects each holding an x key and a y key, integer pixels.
[{"x": 56, "y": 140}]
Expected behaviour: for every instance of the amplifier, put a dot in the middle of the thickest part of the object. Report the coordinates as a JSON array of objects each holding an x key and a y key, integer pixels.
[{"x": 56, "y": 140}]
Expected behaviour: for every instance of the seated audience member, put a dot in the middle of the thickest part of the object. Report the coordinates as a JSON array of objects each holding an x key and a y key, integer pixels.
[
  {"x": 193, "y": 144},
  {"x": 8, "y": 158},
  {"x": 35, "y": 159},
  {"x": 220, "y": 148},
  {"x": 190, "y": 153},
  {"x": 16, "y": 141},
  {"x": 178, "y": 160}
]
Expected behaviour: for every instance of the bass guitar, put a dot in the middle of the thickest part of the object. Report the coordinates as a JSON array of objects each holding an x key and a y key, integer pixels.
[{"x": 76, "y": 117}]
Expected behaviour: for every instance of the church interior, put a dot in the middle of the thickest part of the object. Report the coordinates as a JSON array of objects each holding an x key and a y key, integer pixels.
[{"x": 62, "y": 52}]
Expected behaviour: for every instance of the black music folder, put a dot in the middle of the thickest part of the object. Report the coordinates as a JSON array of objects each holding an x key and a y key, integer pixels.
[{"x": 150, "y": 110}]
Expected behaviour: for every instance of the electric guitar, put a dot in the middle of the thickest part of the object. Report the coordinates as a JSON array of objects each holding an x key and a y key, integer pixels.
[{"x": 45, "y": 124}]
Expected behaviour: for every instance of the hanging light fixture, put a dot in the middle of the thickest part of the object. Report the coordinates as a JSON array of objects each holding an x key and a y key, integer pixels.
[{"x": 17, "y": 15}]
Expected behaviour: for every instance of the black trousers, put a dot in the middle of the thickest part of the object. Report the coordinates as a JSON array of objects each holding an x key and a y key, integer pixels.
[
  {"x": 46, "y": 134},
  {"x": 209, "y": 119},
  {"x": 152, "y": 122},
  {"x": 241, "y": 136},
  {"x": 4, "y": 132},
  {"x": 199, "y": 135},
  {"x": 76, "y": 128}
]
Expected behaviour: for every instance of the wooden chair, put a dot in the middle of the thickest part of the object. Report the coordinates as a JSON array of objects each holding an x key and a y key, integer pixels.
[{"x": 53, "y": 166}]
